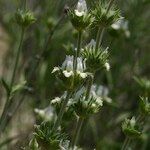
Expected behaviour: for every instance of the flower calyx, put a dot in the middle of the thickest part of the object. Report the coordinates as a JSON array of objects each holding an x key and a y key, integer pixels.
[
  {"x": 96, "y": 59},
  {"x": 24, "y": 18},
  {"x": 131, "y": 129}
]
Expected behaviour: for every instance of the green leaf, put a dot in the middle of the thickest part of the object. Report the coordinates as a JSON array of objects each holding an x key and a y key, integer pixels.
[{"x": 6, "y": 86}]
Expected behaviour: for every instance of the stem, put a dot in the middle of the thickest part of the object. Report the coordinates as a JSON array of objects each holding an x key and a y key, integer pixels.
[
  {"x": 101, "y": 31},
  {"x": 126, "y": 143},
  {"x": 77, "y": 132},
  {"x": 8, "y": 100},
  {"x": 62, "y": 110},
  {"x": 81, "y": 120},
  {"x": 24, "y": 4},
  {"x": 77, "y": 53},
  {"x": 89, "y": 85},
  {"x": 17, "y": 58},
  {"x": 99, "y": 38}
]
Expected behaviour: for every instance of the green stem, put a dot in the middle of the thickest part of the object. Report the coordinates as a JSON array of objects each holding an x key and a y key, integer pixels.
[
  {"x": 8, "y": 100},
  {"x": 17, "y": 58},
  {"x": 24, "y": 4},
  {"x": 101, "y": 31},
  {"x": 81, "y": 120},
  {"x": 99, "y": 38},
  {"x": 126, "y": 143},
  {"x": 77, "y": 132},
  {"x": 89, "y": 85},
  {"x": 62, "y": 110}
]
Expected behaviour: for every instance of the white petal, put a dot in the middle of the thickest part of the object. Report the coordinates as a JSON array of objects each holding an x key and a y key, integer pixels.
[
  {"x": 56, "y": 100},
  {"x": 83, "y": 75},
  {"x": 92, "y": 44},
  {"x": 99, "y": 101},
  {"x": 78, "y": 13},
  {"x": 81, "y": 8},
  {"x": 107, "y": 66},
  {"x": 67, "y": 73},
  {"x": 55, "y": 69},
  {"x": 68, "y": 63}
]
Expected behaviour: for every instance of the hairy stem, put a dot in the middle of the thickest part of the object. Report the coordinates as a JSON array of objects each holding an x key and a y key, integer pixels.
[{"x": 77, "y": 132}]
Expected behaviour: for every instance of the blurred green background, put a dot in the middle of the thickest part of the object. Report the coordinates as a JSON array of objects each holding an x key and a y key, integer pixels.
[{"x": 129, "y": 57}]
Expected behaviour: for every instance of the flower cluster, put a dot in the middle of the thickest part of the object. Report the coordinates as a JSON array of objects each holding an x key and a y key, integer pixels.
[
  {"x": 103, "y": 17},
  {"x": 84, "y": 107},
  {"x": 66, "y": 75},
  {"x": 24, "y": 18},
  {"x": 130, "y": 128},
  {"x": 96, "y": 59},
  {"x": 46, "y": 138},
  {"x": 57, "y": 102}
]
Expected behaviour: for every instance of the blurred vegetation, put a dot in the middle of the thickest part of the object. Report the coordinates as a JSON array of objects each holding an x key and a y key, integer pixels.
[{"x": 44, "y": 47}]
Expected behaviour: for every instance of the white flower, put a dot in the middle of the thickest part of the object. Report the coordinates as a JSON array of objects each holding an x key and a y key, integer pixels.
[
  {"x": 80, "y": 64},
  {"x": 102, "y": 91},
  {"x": 56, "y": 100},
  {"x": 47, "y": 114},
  {"x": 68, "y": 63},
  {"x": 122, "y": 24},
  {"x": 67, "y": 73},
  {"x": 132, "y": 122},
  {"x": 81, "y": 8},
  {"x": 92, "y": 44},
  {"x": 67, "y": 66},
  {"x": 107, "y": 66},
  {"x": 82, "y": 75}
]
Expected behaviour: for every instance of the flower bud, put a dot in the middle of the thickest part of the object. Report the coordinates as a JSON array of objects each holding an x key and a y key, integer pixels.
[
  {"x": 104, "y": 18},
  {"x": 24, "y": 18},
  {"x": 51, "y": 22},
  {"x": 85, "y": 107},
  {"x": 130, "y": 128}
]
